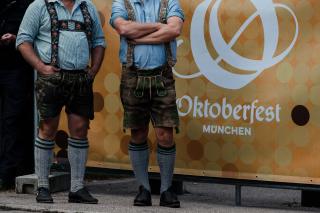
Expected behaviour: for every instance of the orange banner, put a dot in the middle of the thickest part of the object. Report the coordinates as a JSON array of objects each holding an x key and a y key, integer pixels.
[{"x": 248, "y": 85}]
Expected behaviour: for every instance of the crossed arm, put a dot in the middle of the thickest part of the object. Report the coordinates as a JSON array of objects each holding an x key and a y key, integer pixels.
[{"x": 149, "y": 33}]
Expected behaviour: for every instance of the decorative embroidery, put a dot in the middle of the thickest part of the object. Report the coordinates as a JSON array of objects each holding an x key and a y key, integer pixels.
[
  {"x": 69, "y": 25},
  {"x": 54, "y": 32},
  {"x": 163, "y": 20},
  {"x": 131, "y": 46},
  {"x": 87, "y": 21}
]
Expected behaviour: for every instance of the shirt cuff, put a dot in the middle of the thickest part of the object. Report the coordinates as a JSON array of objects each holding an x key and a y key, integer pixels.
[
  {"x": 99, "y": 42},
  {"x": 113, "y": 18},
  {"x": 176, "y": 14},
  {"x": 21, "y": 40}
]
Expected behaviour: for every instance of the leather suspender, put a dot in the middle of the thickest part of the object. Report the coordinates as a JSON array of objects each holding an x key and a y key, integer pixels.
[
  {"x": 69, "y": 25},
  {"x": 163, "y": 20},
  {"x": 130, "y": 50}
]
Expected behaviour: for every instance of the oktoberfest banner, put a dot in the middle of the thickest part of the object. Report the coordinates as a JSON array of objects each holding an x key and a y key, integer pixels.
[{"x": 248, "y": 86}]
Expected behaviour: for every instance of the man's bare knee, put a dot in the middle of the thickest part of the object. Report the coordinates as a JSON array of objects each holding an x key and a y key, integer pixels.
[
  {"x": 165, "y": 136},
  {"x": 139, "y": 136},
  {"x": 79, "y": 131},
  {"x": 48, "y": 128},
  {"x": 47, "y": 134},
  {"x": 78, "y": 126}
]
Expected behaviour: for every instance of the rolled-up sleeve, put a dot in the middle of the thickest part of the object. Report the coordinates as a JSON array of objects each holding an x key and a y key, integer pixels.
[
  {"x": 118, "y": 10},
  {"x": 98, "y": 38},
  {"x": 174, "y": 9},
  {"x": 30, "y": 24}
]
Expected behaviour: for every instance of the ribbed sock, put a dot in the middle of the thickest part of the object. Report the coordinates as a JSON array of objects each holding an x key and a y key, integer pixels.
[
  {"x": 43, "y": 157},
  {"x": 139, "y": 156},
  {"x": 77, "y": 155},
  {"x": 166, "y": 160}
]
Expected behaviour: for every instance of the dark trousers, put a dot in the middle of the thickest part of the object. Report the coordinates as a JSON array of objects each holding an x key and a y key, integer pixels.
[{"x": 16, "y": 126}]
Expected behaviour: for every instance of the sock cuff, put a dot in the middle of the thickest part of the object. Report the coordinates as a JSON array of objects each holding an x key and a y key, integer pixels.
[
  {"x": 44, "y": 144},
  {"x": 78, "y": 143},
  {"x": 166, "y": 150},
  {"x": 138, "y": 147}
]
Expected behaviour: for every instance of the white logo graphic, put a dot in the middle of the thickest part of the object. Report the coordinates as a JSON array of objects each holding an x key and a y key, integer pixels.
[{"x": 210, "y": 68}]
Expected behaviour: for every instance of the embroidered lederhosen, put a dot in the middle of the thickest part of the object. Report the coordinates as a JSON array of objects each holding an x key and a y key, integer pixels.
[
  {"x": 67, "y": 25},
  {"x": 152, "y": 76}
]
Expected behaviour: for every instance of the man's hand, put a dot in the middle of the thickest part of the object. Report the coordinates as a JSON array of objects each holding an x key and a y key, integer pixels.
[
  {"x": 8, "y": 38},
  {"x": 31, "y": 57},
  {"x": 91, "y": 73},
  {"x": 46, "y": 69}
]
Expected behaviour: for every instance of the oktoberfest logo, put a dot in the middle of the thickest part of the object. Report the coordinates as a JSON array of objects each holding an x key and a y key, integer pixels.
[{"x": 210, "y": 68}]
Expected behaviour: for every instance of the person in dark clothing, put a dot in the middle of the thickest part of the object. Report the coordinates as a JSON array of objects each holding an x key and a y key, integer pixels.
[{"x": 15, "y": 95}]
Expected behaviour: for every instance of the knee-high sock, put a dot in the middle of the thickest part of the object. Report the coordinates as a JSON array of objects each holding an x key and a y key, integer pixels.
[
  {"x": 166, "y": 160},
  {"x": 77, "y": 155},
  {"x": 139, "y": 156},
  {"x": 43, "y": 157}
]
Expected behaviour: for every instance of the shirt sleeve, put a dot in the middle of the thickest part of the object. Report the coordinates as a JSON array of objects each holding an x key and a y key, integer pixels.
[
  {"x": 98, "y": 38},
  {"x": 118, "y": 10},
  {"x": 30, "y": 24},
  {"x": 174, "y": 9}
]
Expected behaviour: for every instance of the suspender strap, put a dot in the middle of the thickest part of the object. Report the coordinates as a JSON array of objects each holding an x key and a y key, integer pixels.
[
  {"x": 130, "y": 10},
  {"x": 87, "y": 21},
  {"x": 163, "y": 11},
  {"x": 69, "y": 25},
  {"x": 163, "y": 19},
  {"x": 54, "y": 32},
  {"x": 131, "y": 17}
]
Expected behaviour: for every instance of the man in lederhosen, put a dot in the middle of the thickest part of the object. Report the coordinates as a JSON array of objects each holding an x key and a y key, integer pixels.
[
  {"x": 148, "y": 31},
  {"x": 15, "y": 94},
  {"x": 64, "y": 34}
]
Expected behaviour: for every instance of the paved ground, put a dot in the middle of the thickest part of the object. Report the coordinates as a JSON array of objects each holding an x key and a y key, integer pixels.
[{"x": 117, "y": 196}]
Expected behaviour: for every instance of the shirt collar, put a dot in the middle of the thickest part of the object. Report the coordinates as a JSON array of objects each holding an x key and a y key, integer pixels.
[
  {"x": 59, "y": 1},
  {"x": 76, "y": 1}
]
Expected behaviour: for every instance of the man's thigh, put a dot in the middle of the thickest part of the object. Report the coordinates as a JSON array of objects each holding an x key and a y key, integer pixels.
[
  {"x": 164, "y": 111},
  {"x": 48, "y": 128},
  {"x": 78, "y": 126},
  {"x": 136, "y": 109},
  {"x": 49, "y": 95},
  {"x": 81, "y": 100}
]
